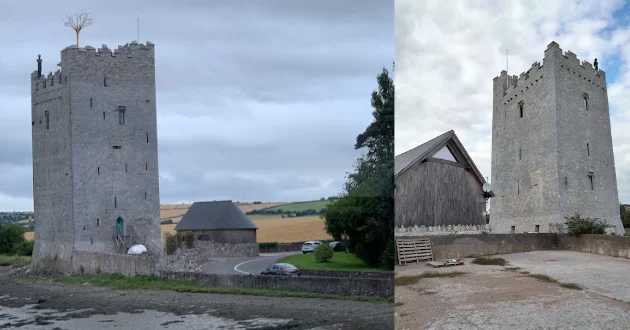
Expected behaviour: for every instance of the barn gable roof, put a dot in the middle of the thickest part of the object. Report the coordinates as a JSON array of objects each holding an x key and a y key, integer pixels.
[
  {"x": 218, "y": 215},
  {"x": 428, "y": 149}
]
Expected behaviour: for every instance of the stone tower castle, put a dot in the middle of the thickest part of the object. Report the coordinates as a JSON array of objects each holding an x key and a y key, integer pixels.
[
  {"x": 552, "y": 153},
  {"x": 95, "y": 161}
]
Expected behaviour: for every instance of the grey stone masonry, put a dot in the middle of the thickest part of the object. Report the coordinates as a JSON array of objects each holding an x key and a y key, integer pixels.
[
  {"x": 95, "y": 155},
  {"x": 552, "y": 152}
]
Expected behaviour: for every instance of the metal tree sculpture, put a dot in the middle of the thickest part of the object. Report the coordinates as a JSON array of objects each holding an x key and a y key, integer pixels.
[{"x": 77, "y": 22}]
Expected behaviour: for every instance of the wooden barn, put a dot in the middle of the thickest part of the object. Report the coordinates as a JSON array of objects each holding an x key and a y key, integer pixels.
[{"x": 437, "y": 183}]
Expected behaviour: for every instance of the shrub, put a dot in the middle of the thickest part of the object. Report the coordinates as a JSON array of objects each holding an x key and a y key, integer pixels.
[
  {"x": 323, "y": 253},
  {"x": 98, "y": 270},
  {"x": 166, "y": 222},
  {"x": 189, "y": 239},
  {"x": 11, "y": 237},
  {"x": 81, "y": 269},
  {"x": 25, "y": 248},
  {"x": 171, "y": 243},
  {"x": 267, "y": 245},
  {"x": 577, "y": 226}
]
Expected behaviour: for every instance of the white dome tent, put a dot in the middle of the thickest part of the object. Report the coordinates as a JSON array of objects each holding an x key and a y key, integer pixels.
[{"x": 137, "y": 249}]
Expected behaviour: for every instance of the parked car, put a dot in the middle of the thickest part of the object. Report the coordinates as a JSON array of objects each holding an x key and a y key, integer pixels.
[
  {"x": 281, "y": 270},
  {"x": 309, "y": 246},
  {"x": 337, "y": 246}
]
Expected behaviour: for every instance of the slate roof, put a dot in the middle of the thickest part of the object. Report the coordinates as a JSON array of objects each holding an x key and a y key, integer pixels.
[
  {"x": 426, "y": 150},
  {"x": 419, "y": 153},
  {"x": 218, "y": 215}
]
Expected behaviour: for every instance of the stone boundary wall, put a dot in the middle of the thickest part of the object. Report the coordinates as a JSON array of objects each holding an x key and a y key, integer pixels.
[
  {"x": 403, "y": 231},
  {"x": 608, "y": 245},
  {"x": 330, "y": 285},
  {"x": 463, "y": 246},
  {"x": 124, "y": 264},
  {"x": 212, "y": 249},
  {"x": 336, "y": 273}
]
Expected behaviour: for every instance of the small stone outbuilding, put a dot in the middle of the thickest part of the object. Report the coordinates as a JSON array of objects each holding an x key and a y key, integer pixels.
[{"x": 220, "y": 228}]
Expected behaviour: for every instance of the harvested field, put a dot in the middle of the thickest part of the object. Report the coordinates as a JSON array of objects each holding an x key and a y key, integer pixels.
[
  {"x": 176, "y": 211},
  {"x": 283, "y": 230}
]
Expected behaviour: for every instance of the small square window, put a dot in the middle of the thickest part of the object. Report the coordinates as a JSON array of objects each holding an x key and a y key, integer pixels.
[{"x": 117, "y": 147}]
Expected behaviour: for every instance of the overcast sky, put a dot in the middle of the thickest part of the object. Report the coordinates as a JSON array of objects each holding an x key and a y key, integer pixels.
[
  {"x": 256, "y": 100},
  {"x": 448, "y": 52}
]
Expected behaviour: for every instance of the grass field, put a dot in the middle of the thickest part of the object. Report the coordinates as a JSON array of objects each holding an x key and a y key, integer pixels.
[
  {"x": 340, "y": 261},
  {"x": 20, "y": 261},
  {"x": 301, "y": 206},
  {"x": 285, "y": 230}
]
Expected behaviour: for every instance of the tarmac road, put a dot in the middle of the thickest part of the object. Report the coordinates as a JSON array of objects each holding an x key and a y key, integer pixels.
[{"x": 247, "y": 265}]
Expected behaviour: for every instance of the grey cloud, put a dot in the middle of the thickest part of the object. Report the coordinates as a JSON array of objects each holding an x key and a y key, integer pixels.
[{"x": 263, "y": 99}]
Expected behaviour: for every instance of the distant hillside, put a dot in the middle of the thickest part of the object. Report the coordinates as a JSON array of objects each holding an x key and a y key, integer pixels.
[
  {"x": 24, "y": 219},
  {"x": 297, "y": 209},
  {"x": 172, "y": 213}
]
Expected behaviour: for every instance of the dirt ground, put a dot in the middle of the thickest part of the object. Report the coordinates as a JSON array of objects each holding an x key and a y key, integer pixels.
[
  {"x": 501, "y": 297},
  {"x": 39, "y": 303}
]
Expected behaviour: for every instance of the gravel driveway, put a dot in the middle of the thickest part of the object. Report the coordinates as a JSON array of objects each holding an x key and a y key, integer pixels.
[{"x": 491, "y": 297}]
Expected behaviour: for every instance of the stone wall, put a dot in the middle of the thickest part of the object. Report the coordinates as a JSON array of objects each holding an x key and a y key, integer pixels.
[
  {"x": 336, "y": 273},
  {"x": 330, "y": 285},
  {"x": 124, "y": 264},
  {"x": 462, "y": 246},
  {"x": 440, "y": 230},
  {"x": 189, "y": 260},
  {"x": 212, "y": 249},
  {"x": 614, "y": 246}
]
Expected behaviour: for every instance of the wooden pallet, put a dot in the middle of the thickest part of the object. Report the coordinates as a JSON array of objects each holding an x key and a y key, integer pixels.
[{"x": 414, "y": 249}]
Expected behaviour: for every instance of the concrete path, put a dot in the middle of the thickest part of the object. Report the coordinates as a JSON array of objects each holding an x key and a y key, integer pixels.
[
  {"x": 247, "y": 265},
  {"x": 600, "y": 274}
]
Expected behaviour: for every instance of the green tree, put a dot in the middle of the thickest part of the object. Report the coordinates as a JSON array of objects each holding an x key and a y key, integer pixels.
[
  {"x": 11, "y": 238},
  {"x": 364, "y": 213},
  {"x": 625, "y": 215}
]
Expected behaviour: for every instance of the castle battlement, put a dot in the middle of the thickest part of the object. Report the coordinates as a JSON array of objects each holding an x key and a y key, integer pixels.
[
  {"x": 48, "y": 83},
  {"x": 567, "y": 60},
  {"x": 129, "y": 49}
]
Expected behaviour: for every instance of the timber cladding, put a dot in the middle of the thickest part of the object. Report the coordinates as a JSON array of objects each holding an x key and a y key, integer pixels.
[{"x": 436, "y": 193}]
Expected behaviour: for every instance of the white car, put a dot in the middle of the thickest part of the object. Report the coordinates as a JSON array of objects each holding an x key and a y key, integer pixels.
[{"x": 309, "y": 246}]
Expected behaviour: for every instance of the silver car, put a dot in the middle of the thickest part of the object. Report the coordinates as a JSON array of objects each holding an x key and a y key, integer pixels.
[{"x": 310, "y": 246}]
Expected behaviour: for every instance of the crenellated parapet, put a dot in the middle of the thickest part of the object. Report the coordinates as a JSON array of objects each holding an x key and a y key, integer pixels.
[
  {"x": 128, "y": 50},
  {"x": 554, "y": 59},
  {"x": 47, "y": 83}
]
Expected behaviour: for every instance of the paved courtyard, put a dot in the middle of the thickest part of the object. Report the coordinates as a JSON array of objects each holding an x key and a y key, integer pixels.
[{"x": 508, "y": 297}]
